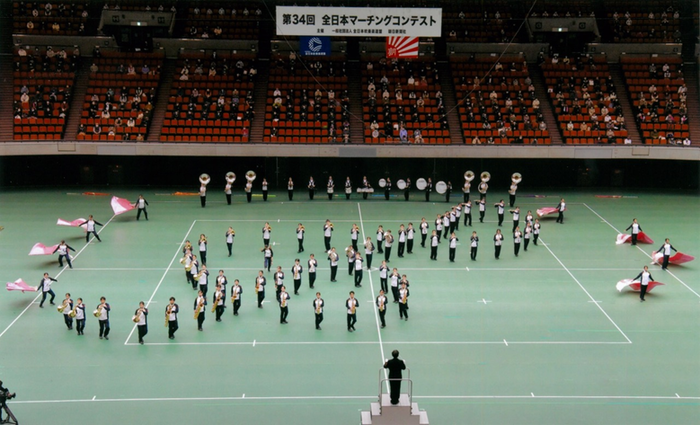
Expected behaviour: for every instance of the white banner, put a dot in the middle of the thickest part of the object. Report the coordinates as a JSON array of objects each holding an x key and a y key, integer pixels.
[{"x": 359, "y": 21}]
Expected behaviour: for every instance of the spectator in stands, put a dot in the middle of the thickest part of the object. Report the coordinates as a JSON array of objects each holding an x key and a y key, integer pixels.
[{"x": 686, "y": 141}]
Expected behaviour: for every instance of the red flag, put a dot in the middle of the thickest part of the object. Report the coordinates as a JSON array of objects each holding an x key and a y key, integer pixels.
[
  {"x": 402, "y": 47},
  {"x": 121, "y": 205}
]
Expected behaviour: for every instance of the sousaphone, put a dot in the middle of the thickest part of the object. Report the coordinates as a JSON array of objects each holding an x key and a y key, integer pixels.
[
  {"x": 204, "y": 179},
  {"x": 230, "y": 177}
]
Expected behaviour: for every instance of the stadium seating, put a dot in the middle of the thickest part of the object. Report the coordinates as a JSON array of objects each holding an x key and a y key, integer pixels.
[{"x": 46, "y": 18}]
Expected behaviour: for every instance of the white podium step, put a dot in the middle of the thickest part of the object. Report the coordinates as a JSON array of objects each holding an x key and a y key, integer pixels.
[{"x": 385, "y": 413}]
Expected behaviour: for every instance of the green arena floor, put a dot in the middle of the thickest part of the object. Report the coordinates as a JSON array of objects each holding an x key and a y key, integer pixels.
[{"x": 544, "y": 338}]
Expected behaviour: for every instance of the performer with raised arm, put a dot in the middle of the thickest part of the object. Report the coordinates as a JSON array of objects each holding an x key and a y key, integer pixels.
[
  {"x": 318, "y": 304},
  {"x": 381, "y": 307},
  {"x": 141, "y": 204},
  {"x": 501, "y": 206},
  {"x": 45, "y": 287},
  {"x": 267, "y": 257},
  {"x": 230, "y": 234},
  {"x": 354, "y": 235},
  {"x": 63, "y": 252},
  {"x": 352, "y": 304},
  {"x": 91, "y": 227},
  {"x": 384, "y": 276},
  {"x": 482, "y": 209},
  {"x": 516, "y": 218},
  {"x": 266, "y": 231},
  {"x": 171, "y": 311},
  {"x": 636, "y": 228},
  {"x": 644, "y": 277}
]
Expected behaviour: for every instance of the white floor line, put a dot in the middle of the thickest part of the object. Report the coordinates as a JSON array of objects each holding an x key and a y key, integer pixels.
[
  {"x": 674, "y": 397},
  {"x": 587, "y": 293},
  {"x": 371, "y": 286},
  {"x": 640, "y": 249},
  {"x": 108, "y": 269},
  {"x": 56, "y": 277},
  {"x": 255, "y": 343},
  {"x": 428, "y": 269},
  {"x": 163, "y": 277}
]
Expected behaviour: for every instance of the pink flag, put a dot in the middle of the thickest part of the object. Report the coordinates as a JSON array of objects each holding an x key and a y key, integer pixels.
[
  {"x": 547, "y": 210},
  {"x": 121, "y": 205},
  {"x": 19, "y": 285},
  {"x": 74, "y": 223},
  {"x": 677, "y": 259},
  {"x": 41, "y": 249},
  {"x": 641, "y": 238},
  {"x": 401, "y": 47}
]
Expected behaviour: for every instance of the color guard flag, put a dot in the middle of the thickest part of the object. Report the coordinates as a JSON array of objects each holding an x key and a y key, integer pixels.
[
  {"x": 641, "y": 238},
  {"x": 121, "y": 205},
  {"x": 19, "y": 285},
  {"x": 677, "y": 259},
  {"x": 635, "y": 285},
  {"x": 41, "y": 249},
  {"x": 75, "y": 223},
  {"x": 401, "y": 47},
  {"x": 541, "y": 212}
]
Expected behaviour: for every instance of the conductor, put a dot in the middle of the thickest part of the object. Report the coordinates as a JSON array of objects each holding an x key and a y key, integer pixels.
[{"x": 395, "y": 366}]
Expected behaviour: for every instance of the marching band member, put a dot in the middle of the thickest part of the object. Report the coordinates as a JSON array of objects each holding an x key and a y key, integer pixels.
[
  {"x": 354, "y": 234},
  {"x": 536, "y": 231},
  {"x": 352, "y": 305},
  {"x": 666, "y": 251},
  {"x": 141, "y": 204},
  {"x": 369, "y": 252},
  {"x": 297, "y": 270},
  {"x": 465, "y": 190},
  {"x": 264, "y": 189},
  {"x": 474, "y": 244},
  {"x": 91, "y": 228},
  {"x": 228, "y": 192},
  {"x": 388, "y": 241},
  {"x": 219, "y": 302},
  {"x": 497, "y": 242},
  {"x": 290, "y": 189},
  {"x": 278, "y": 278},
  {"x": 423, "y": 231},
  {"x": 438, "y": 226},
  {"x": 402, "y": 240},
  {"x": 434, "y": 241},
  {"x": 327, "y": 232},
  {"x": 187, "y": 247},
  {"x": 230, "y": 234},
  {"x": 468, "y": 213},
  {"x": 561, "y": 207},
  {"x": 448, "y": 193},
  {"x": 511, "y": 194},
  {"x": 366, "y": 186},
  {"x": 204, "y": 280},
  {"x": 387, "y": 189},
  {"x": 200, "y": 309},
  {"x": 221, "y": 280},
  {"x": 329, "y": 188},
  {"x": 483, "y": 187},
  {"x": 300, "y": 237},
  {"x": 410, "y": 234},
  {"x": 260, "y": 283},
  {"x": 62, "y": 250},
  {"x": 501, "y": 206},
  {"x": 203, "y": 249},
  {"x": 636, "y": 228},
  {"x": 403, "y": 301},
  {"x": 407, "y": 189},
  {"x": 482, "y": 209},
  {"x": 380, "y": 239},
  {"x": 236, "y": 292},
  {"x": 517, "y": 234},
  {"x": 453, "y": 247},
  {"x": 384, "y": 276},
  {"x": 358, "y": 270},
  {"x": 267, "y": 257},
  {"x": 318, "y": 304},
  {"x": 312, "y": 188},
  {"x": 529, "y": 217},
  {"x": 283, "y": 300},
  {"x": 428, "y": 189},
  {"x": 527, "y": 235},
  {"x": 171, "y": 311},
  {"x": 381, "y": 307},
  {"x": 350, "y": 254},
  {"x": 45, "y": 286},
  {"x": 266, "y": 230},
  {"x": 312, "y": 263},
  {"x": 203, "y": 195},
  {"x": 79, "y": 310},
  {"x": 333, "y": 258},
  {"x": 453, "y": 219},
  {"x": 248, "y": 189},
  {"x": 67, "y": 308},
  {"x": 348, "y": 188},
  {"x": 516, "y": 217},
  {"x": 194, "y": 269},
  {"x": 141, "y": 314},
  {"x": 395, "y": 278},
  {"x": 644, "y": 278},
  {"x": 103, "y": 317},
  {"x": 446, "y": 224}
]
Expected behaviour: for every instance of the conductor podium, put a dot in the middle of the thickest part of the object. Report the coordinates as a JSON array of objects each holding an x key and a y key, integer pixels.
[{"x": 406, "y": 412}]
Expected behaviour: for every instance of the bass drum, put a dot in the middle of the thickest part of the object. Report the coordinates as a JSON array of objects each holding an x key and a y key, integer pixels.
[
  {"x": 382, "y": 183},
  {"x": 441, "y": 187},
  {"x": 421, "y": 184},
  {"x": 401, "y": 184}
]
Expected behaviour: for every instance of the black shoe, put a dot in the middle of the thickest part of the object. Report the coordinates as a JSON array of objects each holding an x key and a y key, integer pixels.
[
  {"x": 171, "y": 337},
  {"x": 41, "y": 306},
  {"x": 141, "y": 342},
  {"x": 218, "y": 320},
  {"x": 235, "y": 314},
  {"x": 353, "y": 328},
  {"x": 200, "y": 329},
  {"x": 101, "y": 337},
  {"x": 107, "y": 338},
  {"x": 284, "y": 322},
  {"x": 333, "y": 280},
  {"x": 383, "y": 326}
]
